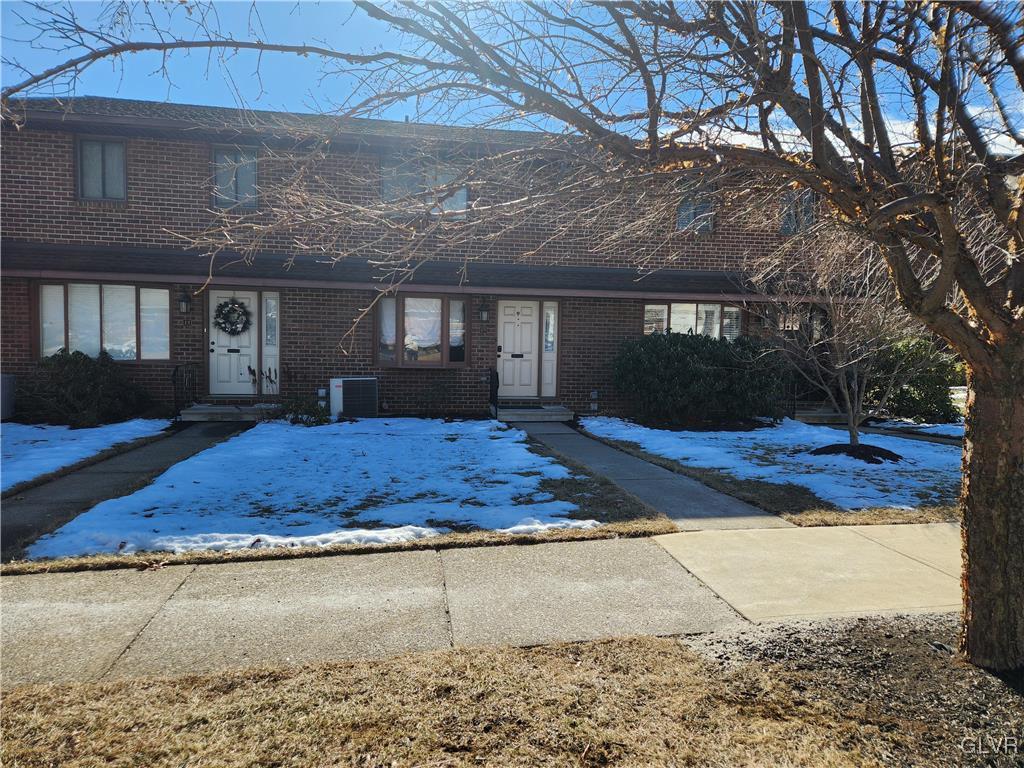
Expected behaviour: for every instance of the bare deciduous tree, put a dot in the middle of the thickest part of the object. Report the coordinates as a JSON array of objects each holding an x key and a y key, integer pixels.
[
  {"x": 904, "y": 118},
  {"x": 834, "y": 315}
]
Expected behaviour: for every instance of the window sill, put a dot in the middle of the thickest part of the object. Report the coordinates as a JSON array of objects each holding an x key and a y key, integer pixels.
[{"x": 87, "y": 202}]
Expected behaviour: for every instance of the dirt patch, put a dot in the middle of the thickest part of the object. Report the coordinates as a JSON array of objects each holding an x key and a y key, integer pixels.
[
  {"x": 870, "y": 454},
  {"x": 898, "y": 676},
  {"x": 867, "y": 694}
]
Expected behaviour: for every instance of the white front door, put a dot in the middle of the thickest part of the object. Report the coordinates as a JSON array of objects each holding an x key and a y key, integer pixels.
[
  {"x": 231, "y": 357},
  {"x": 518, "y": 334}
]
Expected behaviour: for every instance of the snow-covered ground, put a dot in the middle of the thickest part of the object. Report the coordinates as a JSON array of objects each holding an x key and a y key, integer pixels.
[
  {"x": 944, "y": 430},
  {"x": 31, "y": 450},
  {"x": 929, "y": 472},
  {"x": 371, "y": 481}
]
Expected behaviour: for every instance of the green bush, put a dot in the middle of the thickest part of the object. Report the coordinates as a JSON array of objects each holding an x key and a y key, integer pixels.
[
  {"x": 926, "y": 397},
  {"x": 78, "y": 390},
  {"x": 690, "y": 380}
]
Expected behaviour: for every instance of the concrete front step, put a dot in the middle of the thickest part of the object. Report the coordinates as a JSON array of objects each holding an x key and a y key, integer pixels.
[
  {"x": 224, "y": 412},
  {"x": 541, "y": 413}
]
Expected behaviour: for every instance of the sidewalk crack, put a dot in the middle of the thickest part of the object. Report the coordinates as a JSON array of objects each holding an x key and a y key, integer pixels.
[
  {"x": 444, "y": 600},
  {"x": 149, "y": 621}
]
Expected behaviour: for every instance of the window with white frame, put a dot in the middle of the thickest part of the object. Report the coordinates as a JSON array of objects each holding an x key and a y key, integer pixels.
[
  {"x": 402, "y": 178},
  {"x": 128, "y": 322},
  {"x": 234, "y": 177},
  {"x": 422, "y": 331},
  {"x": 709, "y": 319}
]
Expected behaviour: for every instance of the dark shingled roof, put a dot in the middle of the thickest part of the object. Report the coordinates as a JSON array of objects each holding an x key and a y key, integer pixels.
[
  {"x": 39, "y": 258},
  {"x": 165, "y": 115}
]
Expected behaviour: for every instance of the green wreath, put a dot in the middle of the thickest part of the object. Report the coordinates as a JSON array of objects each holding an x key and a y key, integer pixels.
[{"x": 232, "y": 317}]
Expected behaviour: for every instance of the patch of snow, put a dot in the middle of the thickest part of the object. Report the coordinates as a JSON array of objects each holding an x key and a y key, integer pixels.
[
  {"x": 31, "y": 450},
  {"x": 944, "y": 430},
  {"x": 370, "y": 481},
  {"x": 928, "y": 474}
]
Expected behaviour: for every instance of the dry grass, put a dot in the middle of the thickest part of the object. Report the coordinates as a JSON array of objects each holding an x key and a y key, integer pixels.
[
  {"x": 794, "y": 503},
  {"x": 874, "y": 516},
  {"x": 622, "y": 702},
  {"x": 597, "y": 499}
]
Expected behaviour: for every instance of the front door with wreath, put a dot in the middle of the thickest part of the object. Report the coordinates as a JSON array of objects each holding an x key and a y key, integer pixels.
[{"x": 233, "y": 342}]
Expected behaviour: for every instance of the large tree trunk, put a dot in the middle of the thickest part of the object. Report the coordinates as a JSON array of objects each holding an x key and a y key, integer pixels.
[{"x": 993, "y": 526}]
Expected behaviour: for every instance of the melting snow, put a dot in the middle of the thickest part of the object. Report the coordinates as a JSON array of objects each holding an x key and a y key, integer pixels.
[
  {"x": 928, "y": 474},
  {"x": 371, "y": 481},
  {"x": 31, "y": 450}
]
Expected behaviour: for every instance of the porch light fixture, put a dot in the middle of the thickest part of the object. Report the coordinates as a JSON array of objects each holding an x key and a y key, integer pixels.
[
  {"x": 185, "y": 302},
  {"x": 484, "y": 312}
]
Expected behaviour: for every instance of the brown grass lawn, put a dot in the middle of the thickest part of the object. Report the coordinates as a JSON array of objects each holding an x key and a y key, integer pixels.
[
  {"x": 597, "y": 499},
  {"x": 793, "y": 502},
  {"x": 786, "y": 700}
]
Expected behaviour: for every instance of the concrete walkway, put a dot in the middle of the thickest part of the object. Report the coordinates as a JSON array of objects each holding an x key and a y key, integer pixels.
[
  {"x": 690, "y": 504},
  {"x": 47, "y": 507},
  {"x": 184, "y": 619},
  {"x": 181, "y": 619},
  {"x": 801, "y": 573}
]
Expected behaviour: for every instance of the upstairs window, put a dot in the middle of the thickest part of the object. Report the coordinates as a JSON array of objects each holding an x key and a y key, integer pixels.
[
  {"x": 101, "y": 170},
  {"x": 695, "y": 215},
  {"x": 798, "y": 212},
  {"x": 715, "y": 320},
  {"x": 234, "y": 177},
  {"x": 404, "y": 179}
]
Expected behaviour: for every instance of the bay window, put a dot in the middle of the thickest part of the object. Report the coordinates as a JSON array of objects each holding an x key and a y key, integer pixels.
[
  {"x": 125, "y": 321},
  {"x": 421, "y": 331},
  {"x": 715, "y": 320}
]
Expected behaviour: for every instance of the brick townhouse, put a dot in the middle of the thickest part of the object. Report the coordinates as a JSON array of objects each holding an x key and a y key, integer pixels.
[{"x": 96, "y": 191}]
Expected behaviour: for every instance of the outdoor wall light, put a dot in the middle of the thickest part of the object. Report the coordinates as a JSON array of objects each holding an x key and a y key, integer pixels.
[
  {"x": 484, "y": 313},
  {"x": 185, "y": 302}
]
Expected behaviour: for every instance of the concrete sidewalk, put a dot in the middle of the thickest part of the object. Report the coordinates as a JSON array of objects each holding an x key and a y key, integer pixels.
[
  {"x": 47, "y": 507},
  {"x": 183, "y": 619},
  {"x": 775, "y": 575},
  {"x": 690, "y": 504}
]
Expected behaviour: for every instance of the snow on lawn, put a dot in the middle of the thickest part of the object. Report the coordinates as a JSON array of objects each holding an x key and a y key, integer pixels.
[
  {"x": 371, "y": 481},
  {"x": 944, "y": 430},
  {"x": 928, "y": 474},
  {"x": 31, "y": 450}
]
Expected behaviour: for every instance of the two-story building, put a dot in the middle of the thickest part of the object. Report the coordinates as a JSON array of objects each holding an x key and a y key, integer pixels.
[{"x": 96, "y": 193}]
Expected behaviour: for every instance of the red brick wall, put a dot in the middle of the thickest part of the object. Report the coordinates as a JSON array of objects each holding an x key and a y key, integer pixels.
[
  {"x": 20, "y": 350},
  {"x": 169, "y": 186},
  {"x": 318, "y": 342}
]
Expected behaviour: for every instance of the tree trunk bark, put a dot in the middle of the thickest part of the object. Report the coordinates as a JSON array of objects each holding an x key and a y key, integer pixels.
[{"x": 992, "y": 500}]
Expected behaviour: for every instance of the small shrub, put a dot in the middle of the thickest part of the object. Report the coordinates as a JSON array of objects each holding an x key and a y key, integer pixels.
[
  {"x": 305, "y": 410},
  {"x": 926, "y": 397},
  {"x": 693, "y": 379},
  {"x": 81, "y": 391}
]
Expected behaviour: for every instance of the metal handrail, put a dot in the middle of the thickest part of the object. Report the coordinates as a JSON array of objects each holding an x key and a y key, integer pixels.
[
  {"x": 185, "y": 386},
  {"x": 494, "y": 388}
]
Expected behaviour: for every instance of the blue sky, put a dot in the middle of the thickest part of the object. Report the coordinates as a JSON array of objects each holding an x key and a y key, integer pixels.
[{"x": 288, "y": 82}]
